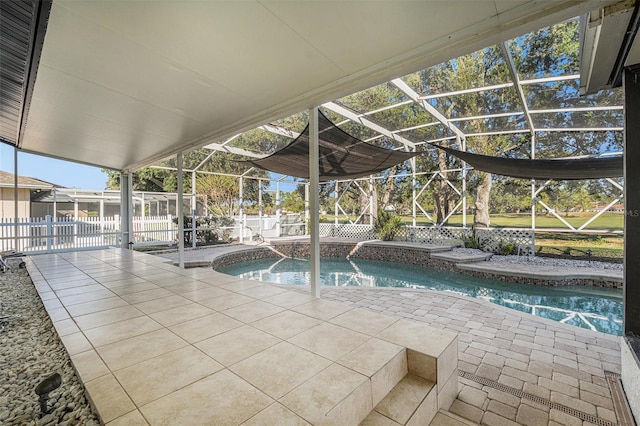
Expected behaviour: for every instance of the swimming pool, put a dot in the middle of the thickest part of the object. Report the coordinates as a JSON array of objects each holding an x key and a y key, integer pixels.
[{"x": 595, "y": 308}]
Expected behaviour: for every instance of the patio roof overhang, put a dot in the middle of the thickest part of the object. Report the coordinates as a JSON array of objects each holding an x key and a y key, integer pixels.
[{"x": 124, "y": 84}]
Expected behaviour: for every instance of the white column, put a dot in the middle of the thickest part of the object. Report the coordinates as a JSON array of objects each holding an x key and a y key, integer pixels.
[
  {"x": 314, "y": 202},
  {"x": 335, "y": 205},
  {"x": 533, "y": 198},
  {"x": 241, "y": 209},
  {"x": 412, "y": 161},
  {"x": 101, "y": 213},
  {"x": 306, "y": 205},
  {"x": 260, "y": 208},
  {"x": 142, "y": 219},
  {"x": 180, "y": 213},
  {"x": 371, "y": 212},
  {"x": 16, "y": 242},
  {"x": 193, "y": 210},
  {"x": 278, "y": 228},
  {"x": 126, "y": 220},
  {"x": 463, "y": 143},
  {"x": 75, "y": 222}
]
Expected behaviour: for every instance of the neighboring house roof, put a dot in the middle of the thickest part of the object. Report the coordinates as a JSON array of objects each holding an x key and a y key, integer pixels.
[{"x": 6, "y": 180}]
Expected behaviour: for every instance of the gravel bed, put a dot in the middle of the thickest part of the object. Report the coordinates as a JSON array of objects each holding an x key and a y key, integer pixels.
[
  {"x": 546, "y": 261},
  {"x": 30, "y": 351}
]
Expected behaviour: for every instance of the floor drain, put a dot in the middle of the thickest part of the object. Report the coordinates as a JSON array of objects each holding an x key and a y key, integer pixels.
[
  {"x": 520, "y": 394},
  {"x": 620, "y": 404}
]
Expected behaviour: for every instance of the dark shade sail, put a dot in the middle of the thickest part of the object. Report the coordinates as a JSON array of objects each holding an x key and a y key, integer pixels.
[
  {"x": 559, "y": 169},
  {"x": 341, "y": 155}
]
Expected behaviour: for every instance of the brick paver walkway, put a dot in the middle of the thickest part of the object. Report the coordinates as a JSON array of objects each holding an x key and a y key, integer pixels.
[{"x": 556, "y": 362}]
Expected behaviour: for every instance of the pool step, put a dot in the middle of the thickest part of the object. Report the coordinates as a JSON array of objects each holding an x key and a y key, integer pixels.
[
  {"x": 446, "y": 418},
  {"x": 413, "y": 401}
]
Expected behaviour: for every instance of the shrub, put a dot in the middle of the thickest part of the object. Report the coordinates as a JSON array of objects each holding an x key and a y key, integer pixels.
[{"x": 387, "y": 225}]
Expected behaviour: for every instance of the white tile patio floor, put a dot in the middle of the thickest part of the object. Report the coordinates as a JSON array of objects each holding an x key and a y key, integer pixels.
[{"x": 131, "y": 336}]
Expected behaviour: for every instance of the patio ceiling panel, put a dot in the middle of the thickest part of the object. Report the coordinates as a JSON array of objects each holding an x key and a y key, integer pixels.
[{"x": 155, "y": 78}]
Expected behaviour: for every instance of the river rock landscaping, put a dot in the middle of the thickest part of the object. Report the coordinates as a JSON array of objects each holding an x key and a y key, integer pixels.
[{"x": 30, "y": 351}]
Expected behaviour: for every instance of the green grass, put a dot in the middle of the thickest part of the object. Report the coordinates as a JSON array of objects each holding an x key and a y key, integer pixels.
[{"x": 608, "y": 221}]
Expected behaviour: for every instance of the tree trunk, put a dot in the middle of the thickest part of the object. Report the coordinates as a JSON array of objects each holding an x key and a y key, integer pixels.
[
  {"x": 388, "y": 186},
  {"x": 364, "y": 203},
  {"x": 443, "y": 204},
  {"x": 481, "y": 216}
]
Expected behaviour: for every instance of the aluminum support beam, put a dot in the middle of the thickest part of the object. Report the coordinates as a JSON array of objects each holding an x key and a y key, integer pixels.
[
  {"x": 367, "y": 123},
  {"x": 506, "y": 53},
  {"x": 412, "y": 94},
  {"x": 314, "y": 201}
]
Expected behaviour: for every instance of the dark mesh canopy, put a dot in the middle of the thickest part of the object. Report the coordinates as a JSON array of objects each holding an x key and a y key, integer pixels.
[
  {"x": 560, "y": 168},
  {"x": 341, "y": 155}
]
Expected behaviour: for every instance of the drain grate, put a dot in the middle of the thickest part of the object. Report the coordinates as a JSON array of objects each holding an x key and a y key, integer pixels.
[
  {"x": 620, "y": 404},
  {"x": 520, "y": 394}
]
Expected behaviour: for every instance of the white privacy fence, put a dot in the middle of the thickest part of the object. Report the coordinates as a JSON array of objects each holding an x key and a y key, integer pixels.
[
  {"x": 48, "y": 234},
  {"x": 44, "y": 234}
]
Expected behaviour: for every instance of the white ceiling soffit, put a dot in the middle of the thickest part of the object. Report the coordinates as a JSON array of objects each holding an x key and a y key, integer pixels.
[
  {"x": 602, "y": 36},
  {"x": 123, "y": 84}
]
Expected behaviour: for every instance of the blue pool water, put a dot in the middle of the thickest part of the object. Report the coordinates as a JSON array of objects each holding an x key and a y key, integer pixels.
[{"x": 587, "y": 307}]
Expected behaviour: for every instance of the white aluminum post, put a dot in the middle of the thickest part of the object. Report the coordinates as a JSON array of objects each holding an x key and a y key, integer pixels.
[
  {"x": 194, "y": 226},
  {"x": 142, "y": 219},
  {"x": 259, "y": 208},
  {"x": 241, "y": 219},
  {"x": 306, "y": 207},
  {"x": 533, "y": 198},
  {"x": 130, "y": 208},
  {"x": 48, "y": 232},
  {"x": 412, "y": 161},
  {"x": 463, "y": 143},
  {"x": 335, "y": 205},
  {"x": 16, "y": 241},
  {"x": 314, "y": 201},
  {"x": 278, "y": 228},
  {"x": 180, "y": 212},
  {"x": 371, "y": 212},
  {"x": 75, "y": 222},
  {"x": 55, "y": 205},
  {"x": 101, "y": 214},
  {"x": 126, "y": 216}
]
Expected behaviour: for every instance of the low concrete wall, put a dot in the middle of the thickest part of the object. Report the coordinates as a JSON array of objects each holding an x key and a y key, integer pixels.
[
  {"x": 243, "y": 256},
  {"x": 542, "y": 281}
]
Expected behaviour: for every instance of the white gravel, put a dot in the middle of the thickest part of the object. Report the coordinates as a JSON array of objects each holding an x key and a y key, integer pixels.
[
  {"x": 546, "y": 261},
  {"x": 30, "y": 351}
]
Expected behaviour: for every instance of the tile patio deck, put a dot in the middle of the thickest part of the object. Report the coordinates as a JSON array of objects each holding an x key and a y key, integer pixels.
[{"x": 133, "y": 335}]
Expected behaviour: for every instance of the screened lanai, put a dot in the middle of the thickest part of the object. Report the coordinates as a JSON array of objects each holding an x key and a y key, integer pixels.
[
  {"x": 122, "y": 85},
  {"x": 520, "y": 99}
]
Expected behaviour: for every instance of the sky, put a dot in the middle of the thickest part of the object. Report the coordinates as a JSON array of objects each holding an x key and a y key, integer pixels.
[
  {"x": 63, "y": 173},
  {"x": 66, "y": 173}
]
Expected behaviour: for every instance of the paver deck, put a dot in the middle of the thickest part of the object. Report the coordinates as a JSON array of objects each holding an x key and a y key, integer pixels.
[{"x": 503, "y": 354}]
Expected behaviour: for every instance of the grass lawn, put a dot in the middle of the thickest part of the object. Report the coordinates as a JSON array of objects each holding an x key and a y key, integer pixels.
[{"x": 608, "y": 221}]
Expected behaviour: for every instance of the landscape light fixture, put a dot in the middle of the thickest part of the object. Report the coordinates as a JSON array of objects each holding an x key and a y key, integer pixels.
[{"x": 49, "y": 384}]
